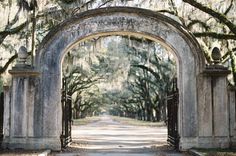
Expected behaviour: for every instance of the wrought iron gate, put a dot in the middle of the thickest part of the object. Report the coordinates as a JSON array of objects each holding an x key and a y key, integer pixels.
[
  {"x": 172, "y": 115},
  {"x": 66, "y": 103}
]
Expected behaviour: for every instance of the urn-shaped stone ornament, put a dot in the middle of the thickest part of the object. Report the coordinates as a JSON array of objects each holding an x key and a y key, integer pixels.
[
  {"x": 22, "y": 55},
  {"x": 216, "y": 55}
]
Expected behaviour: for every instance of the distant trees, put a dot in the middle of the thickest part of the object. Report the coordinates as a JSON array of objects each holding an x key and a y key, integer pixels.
[
  {"x": 126, "y": 76},
  {"x": 150, "y": 74},
  {"x": 82, "y": 77}
]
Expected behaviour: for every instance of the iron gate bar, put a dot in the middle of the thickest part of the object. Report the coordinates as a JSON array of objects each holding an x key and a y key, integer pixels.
[
  {"x": 172, "y": 114},
  {"x": 66, "y": 103}
]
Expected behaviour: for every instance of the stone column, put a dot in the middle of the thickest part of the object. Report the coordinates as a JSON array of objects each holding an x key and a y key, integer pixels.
[
  {"x": 213, "y": 110},
  {"x": 18, "y": 124},
  {"x": 7, "y": 98},
  {"x": 232, "y": 119}
]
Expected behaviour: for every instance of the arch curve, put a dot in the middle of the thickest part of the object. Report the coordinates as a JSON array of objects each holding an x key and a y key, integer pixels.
[
  {"x": 125, "y": 18},
  {"x": 117, "y": 20}
]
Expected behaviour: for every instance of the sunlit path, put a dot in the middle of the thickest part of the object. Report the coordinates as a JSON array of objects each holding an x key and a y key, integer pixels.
[{"x": 109, "y": 137}]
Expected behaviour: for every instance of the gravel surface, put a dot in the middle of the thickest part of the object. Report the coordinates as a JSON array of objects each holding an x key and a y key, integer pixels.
[{"x": 107, "y": 137}]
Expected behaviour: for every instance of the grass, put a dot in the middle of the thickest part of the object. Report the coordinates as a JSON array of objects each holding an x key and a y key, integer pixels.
[
  {"x": 217, "y": 152},
  {"x": 136, "y": 122},
  {"x": 123, "y": 120},
  {"x": 85, "y": 121}
]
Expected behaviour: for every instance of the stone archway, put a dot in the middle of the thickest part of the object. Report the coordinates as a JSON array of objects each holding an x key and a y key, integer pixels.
[
  {"x": 45, "y": 125},
  {"x": 115, "y": 21}
]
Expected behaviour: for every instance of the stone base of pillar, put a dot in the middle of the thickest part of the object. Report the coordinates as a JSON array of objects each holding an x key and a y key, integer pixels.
[
  {"x": 187, "y": 143},
  {"x": 214, "y": 142},
  {"x": 32, "y": 143},
  {"x": 233, "y": 142},
  {"x": 204, "y": 142}
]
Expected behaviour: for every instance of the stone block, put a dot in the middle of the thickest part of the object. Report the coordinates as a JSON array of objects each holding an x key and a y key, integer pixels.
[
  {"x": 220, "y": 107},
  {"x": 205, "y": 107}
]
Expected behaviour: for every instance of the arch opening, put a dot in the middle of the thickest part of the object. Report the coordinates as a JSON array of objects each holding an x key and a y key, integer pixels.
[{"x": 88, "y": 55}]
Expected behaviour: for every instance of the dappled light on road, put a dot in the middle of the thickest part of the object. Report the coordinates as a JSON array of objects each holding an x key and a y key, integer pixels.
[{"x": 112, "y": 137}]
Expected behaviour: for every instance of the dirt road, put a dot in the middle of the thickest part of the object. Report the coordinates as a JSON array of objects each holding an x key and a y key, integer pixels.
[{"x": 107, "y": 137}]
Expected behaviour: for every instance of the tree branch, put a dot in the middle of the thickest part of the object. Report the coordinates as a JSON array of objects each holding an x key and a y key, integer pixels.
[
  {"x": 108, "y": 1},
  {"x": 167, "y": 11},
  {"x": 221, "y": 17},
  {"x": 83, "y": 5},
  {"x": 4, "y": 34},
  {"x": 229, "y": 8},
  {"x": 15, "y": 19},
  {"x": 156, "y": 75},
  {"x": 4, "y": 68},
  {"x": 224, "y": 58},
  {"x": 193, "y": 22},
  {"x": 215, "y": 35}
]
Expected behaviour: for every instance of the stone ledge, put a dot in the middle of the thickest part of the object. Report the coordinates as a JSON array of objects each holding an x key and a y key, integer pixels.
[
  {"x": 216, "y": 71},
  {"x": 24, "y": 71}
]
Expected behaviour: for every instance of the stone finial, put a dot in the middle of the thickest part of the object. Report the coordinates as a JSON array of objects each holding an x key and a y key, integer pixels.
[
  {"x": 216, "y": 55},
  {"x": 216, "y": 69},
  {"x": 22, "y": 55}
]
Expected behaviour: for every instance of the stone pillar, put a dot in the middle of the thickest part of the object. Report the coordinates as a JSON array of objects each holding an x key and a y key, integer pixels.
[
  {"x": 7, "y": 99},
  {"x": 232, "y": 114},
  {"x": 19, "y": 110},
  {"x": 19, "y": 124},
  {"x": 214, "y": 126}
]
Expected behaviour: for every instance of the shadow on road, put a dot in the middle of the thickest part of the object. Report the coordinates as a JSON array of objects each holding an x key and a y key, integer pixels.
[{"x": 109, "y": 137}]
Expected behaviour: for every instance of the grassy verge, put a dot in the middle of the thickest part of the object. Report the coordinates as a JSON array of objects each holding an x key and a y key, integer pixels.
[
  {"x": 217, "y": 152},
  {"x": 136, "y": 122},
  {"x": 84, "y": 121}
]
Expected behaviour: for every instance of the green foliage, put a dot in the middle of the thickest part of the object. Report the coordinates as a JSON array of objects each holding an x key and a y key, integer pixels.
[
  {"x": 149, "y": 77},
  {"x": 125, "y": 76},
  {"x": 134, "y": 122}
]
